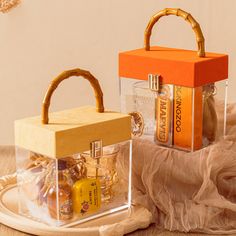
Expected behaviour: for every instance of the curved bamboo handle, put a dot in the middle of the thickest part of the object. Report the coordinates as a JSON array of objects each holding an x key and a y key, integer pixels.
[
  {"x": 65, "y": 75},
  {"x": 178, "y": 12}
]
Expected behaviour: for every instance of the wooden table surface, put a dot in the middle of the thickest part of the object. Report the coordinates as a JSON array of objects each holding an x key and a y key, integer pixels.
[{"x": 7, "y": 166}]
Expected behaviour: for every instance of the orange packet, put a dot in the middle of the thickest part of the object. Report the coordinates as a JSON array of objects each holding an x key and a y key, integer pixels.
[{"x": 188, "y": 116}]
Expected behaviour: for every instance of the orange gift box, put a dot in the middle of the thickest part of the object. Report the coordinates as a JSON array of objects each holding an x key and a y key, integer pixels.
[{"x": 185, "y": 117}]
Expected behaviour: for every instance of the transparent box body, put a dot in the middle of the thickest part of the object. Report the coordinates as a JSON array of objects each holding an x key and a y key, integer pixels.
[
  {"x": 176, "y": 116},
  {"x": 71, "y": 190},
  {"x": 137, "y": 97}
]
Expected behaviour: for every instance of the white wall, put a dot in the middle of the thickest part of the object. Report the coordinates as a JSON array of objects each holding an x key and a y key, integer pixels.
[{"x": 41, "y": 38}]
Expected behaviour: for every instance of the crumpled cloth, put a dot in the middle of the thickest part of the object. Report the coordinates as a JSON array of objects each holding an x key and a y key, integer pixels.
[{"x": 187, "y": 192}]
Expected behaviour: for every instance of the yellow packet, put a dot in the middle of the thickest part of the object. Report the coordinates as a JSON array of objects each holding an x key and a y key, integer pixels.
[{"x": 86, "y": 196}]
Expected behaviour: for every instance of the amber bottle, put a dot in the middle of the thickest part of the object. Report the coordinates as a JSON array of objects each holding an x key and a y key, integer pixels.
[{"x": 60, "y": 208}]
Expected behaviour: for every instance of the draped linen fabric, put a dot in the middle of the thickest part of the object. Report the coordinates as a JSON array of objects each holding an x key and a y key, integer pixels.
[{"x": 188, "y": 192}]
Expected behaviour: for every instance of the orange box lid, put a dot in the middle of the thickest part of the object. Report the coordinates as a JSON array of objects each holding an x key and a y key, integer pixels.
[{"x": 175, "y": 66}]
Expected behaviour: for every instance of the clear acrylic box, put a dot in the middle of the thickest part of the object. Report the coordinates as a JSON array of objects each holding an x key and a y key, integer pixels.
[
  {"x": 73, "y": 189},
  {"x": 176, "y": 116}
]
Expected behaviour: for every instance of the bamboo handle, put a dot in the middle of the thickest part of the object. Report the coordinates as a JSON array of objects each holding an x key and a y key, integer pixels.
[
  {"x": 65, "y": 75},
  {"x": 178, "y": 12}
]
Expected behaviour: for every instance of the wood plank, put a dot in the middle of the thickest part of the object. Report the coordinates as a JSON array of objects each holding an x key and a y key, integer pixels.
[{"x": 71, "y": 131}]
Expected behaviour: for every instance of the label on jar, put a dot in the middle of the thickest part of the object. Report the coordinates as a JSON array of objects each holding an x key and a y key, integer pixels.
[
  {"x": 66, "y": 209},
  {"x": 137, "y": 124}
]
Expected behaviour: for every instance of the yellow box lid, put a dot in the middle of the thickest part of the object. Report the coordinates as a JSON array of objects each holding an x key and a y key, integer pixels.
[{"x": 71, "y": 131}]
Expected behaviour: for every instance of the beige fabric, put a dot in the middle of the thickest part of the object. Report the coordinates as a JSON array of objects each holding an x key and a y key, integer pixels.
[{"x": 188, "y": 191}]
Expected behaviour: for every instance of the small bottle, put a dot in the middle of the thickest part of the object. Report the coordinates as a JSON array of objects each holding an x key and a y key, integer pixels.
[{"x": 64, "y": 201}]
